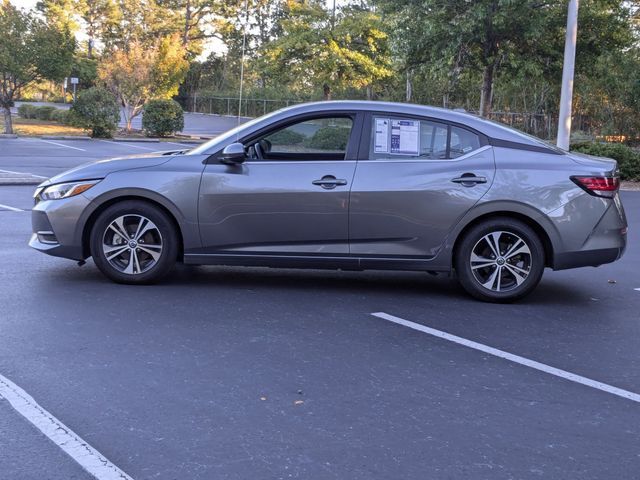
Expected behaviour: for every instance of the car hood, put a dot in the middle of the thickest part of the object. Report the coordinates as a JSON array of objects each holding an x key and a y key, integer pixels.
[{"x": 102, "y": 168}]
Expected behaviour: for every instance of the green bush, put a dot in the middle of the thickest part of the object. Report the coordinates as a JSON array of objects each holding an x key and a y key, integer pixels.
[
  {"x": 162, "y": 118},
  {"x": 44, "y": 113},
  {"x": 286, "y": 137},
  {"x": 96, "y": 109},
  {"x": 330, "y": 138},
  {"x": 27, "y": 111},
  {"x": 628, "y": 159},
  {"x": 60, "y": 116}
]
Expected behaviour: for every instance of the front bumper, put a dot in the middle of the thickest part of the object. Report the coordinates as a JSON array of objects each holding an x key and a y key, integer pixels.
[{"x": 57, "y": 229}]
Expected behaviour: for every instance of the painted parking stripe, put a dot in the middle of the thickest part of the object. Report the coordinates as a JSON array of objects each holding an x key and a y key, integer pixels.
[
  {"x": 21, "y": 173},
  {"x": 62, "y": 145},
  {"x": 127, "y": 144},
  {"x": 181, "y": 144},
  {"x": 637, "y": 289},
  {"x": 512, "y": 358},
  {"x": 84, "y": 454},
  {"x": 13, "y": 209}
]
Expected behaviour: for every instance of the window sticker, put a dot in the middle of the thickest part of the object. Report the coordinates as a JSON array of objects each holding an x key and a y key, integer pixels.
[
  {"x": 405, "y": 137},
  {"x": 382, "y": 136}
]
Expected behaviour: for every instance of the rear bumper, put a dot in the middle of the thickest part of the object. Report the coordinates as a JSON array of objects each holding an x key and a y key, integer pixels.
[
  {"x": 585, "y": 246},
  {"x": 589, "y": 258}
]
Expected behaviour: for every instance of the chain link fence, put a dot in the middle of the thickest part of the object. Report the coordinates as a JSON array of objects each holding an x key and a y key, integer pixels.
[
  {"x": 233, "y": 106},
  {"x": 542, "y": 125}
]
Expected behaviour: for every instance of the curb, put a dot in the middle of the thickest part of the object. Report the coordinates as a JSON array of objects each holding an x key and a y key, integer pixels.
[
  {"x": 145, "y": 140},
  {"x": 63, "y": 137},
  {"x": 8, "y": 135},
  {"x": 26, "y": 179},
  {"x": 18, "y": 178}
]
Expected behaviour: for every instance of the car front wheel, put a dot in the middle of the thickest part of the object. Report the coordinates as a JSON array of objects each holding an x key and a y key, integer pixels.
[
  {"x": 134, "y": 242},
  {"x": 500, "y": 260}
]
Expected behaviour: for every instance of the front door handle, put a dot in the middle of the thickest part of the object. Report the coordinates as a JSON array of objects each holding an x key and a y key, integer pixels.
[
  {"x": 329, "y": 181},
  {"x": 469, "y": 179}
]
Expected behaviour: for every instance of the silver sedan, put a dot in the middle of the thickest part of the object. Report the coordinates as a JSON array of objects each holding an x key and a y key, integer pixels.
[{"x": 344, "y": 185}]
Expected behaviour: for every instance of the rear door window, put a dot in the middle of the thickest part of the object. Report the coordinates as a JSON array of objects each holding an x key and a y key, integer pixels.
[{"x": 407, "y": 138}]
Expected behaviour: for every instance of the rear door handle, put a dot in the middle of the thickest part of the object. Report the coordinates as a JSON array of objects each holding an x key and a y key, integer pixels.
[
  {"x": 329, "y": 181},
  {"x": 469, "y": 179}
]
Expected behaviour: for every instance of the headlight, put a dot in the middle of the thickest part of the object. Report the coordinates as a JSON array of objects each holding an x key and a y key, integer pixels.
[{"x": 63, "y": 190}]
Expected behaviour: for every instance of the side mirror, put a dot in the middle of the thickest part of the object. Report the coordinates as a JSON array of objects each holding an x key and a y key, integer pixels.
[{"x": 233, "y": 154}]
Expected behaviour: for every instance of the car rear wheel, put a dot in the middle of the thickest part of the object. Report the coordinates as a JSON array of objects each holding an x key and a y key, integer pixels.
[
  {"x": 134, "y": 242},
  {"x": 500, "y": 260}
]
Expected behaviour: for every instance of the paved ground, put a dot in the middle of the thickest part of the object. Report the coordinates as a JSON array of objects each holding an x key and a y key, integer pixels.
[
  {"x": 194, "y": 123},
  {"x": 235, "y": 373}
]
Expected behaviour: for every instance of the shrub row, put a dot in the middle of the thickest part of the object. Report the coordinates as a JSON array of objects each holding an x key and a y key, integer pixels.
[
  {"x": 43, "y": 113},
  {"x": 97, "y": 110},
  {"x": 628, "y": 159}
]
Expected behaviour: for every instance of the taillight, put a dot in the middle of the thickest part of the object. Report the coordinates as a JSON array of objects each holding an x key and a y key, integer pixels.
[{"x": 599, "y": 186}]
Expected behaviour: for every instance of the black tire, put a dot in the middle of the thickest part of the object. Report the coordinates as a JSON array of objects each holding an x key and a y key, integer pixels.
[
  {"x": 148, "y": 262},
  {"x": 504, "y": 280}
]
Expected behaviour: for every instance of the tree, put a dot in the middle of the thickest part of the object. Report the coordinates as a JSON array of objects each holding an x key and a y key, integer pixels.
[
  {"x": 517, "y": 43},
  {"x": 140, "y": 73},
  {"x": 60, "y": 13},
  {"x": 99, "y": 17},
  {"x": 316, "y": 52},
  {"x": 30, "y": 51}
]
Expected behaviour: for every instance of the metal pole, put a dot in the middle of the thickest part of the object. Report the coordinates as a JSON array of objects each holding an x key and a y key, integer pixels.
[
  {"x": 244, "y": 43},
  {"x": 566, "y": 96}
]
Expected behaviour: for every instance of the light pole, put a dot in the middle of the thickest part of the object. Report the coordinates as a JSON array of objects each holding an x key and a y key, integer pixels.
[{"x": 566, "y": 95}]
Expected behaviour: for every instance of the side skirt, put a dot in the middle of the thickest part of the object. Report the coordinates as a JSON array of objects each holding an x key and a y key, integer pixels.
[{"x": 313, "y": 261}]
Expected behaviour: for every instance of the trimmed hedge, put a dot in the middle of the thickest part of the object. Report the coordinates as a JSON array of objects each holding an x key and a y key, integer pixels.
[
  {"x": 60, "y": 116},
  {"x": 27, "y": 111},
  {"x": 286, "y": 137},
  {"x": 44, "y": 113},
  {"x": 628, "y": 159},
  {"x": 96, "y": 109},
  {"x": 330, "y": 138},
  {"x": 162, "y": 118}
]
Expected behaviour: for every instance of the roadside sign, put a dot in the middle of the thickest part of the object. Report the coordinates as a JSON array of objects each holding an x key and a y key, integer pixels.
[
  {"x": 65, "y": 83},
  {"x": 74, "y": 80}
]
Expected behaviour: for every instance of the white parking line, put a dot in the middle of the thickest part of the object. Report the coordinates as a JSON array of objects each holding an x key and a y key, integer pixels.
[
  {"x": 84, "y": 454},
  {"x": 62, "y": 145},
  {"x": 13, "y": 209},
  {"x": 21, "y": 173},
  {"x": 637, "y": 289},
  {"x": 512, "y": 358},
  {"x": 181, "y": 144},
  {"x": 127, "y": 144}
]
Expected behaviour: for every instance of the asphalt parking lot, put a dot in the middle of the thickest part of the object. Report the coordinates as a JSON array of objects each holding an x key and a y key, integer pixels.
[{"x": 236, "y": 373}]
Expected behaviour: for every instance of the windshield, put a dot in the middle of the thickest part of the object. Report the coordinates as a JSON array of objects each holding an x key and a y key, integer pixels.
[{"x": 229, "y": 134}]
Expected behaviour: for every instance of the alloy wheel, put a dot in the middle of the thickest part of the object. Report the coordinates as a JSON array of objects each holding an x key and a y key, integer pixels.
[
  {"x": 132, "y": 244},
  {"x": 501, "y": 261}
]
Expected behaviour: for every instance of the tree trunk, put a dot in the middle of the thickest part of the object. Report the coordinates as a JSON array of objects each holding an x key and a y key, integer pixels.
[
  {"x": 187, "y": 24},
  {"x": 409, "y": 88},
  {"x": 369, "y": 92},
  {"x": 326, "y": 90},
  {"x": 486, "y": 95},
  {"x": 8, "y": 125}
]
